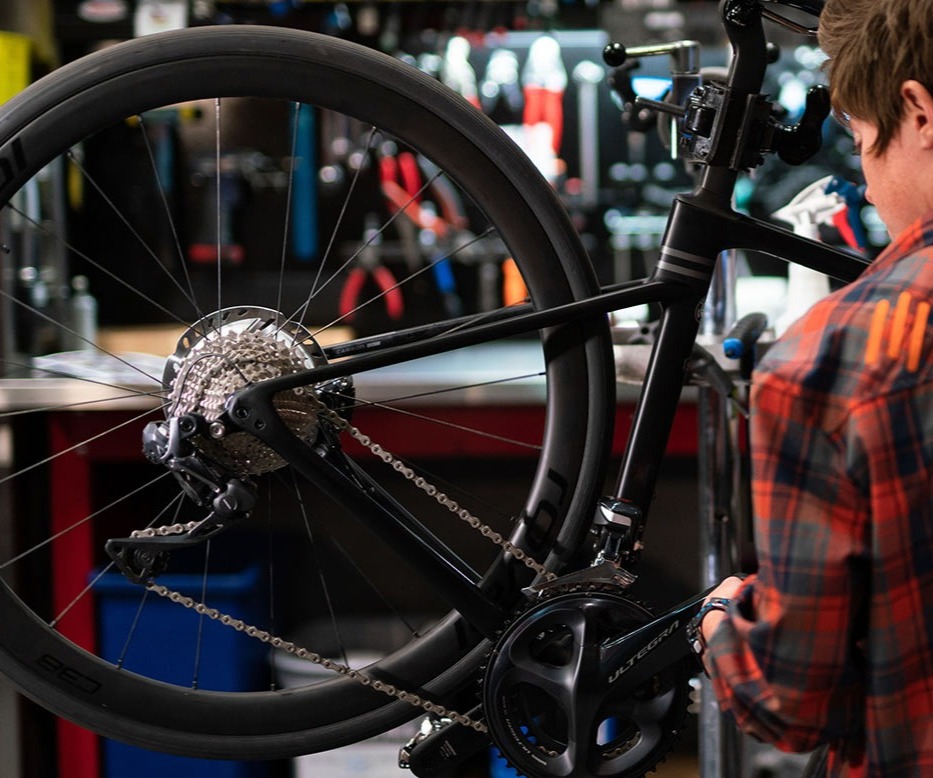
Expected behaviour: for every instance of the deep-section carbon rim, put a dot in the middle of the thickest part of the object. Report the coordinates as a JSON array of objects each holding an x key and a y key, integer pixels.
[{"x": 73, "y": 109}]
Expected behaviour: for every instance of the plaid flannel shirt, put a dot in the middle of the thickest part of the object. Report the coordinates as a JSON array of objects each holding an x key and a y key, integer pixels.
[{"x": 832, "y": 640}]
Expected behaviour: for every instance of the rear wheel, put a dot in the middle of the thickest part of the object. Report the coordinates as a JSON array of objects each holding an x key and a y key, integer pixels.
[{"x": 166, "y": 148}]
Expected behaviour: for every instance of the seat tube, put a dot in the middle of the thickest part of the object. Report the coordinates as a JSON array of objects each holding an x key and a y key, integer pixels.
[
  {"x": 657, "y": 404},
  {"x": 688, "y": 258}
]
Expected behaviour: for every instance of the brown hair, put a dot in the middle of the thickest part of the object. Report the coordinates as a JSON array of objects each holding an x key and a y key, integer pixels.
[{"x": 874, "y": 46}]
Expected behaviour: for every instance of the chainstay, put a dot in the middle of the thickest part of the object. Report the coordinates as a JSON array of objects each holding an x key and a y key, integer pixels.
[
  {"x": 432, "y": 491},
  {"x": 359, "y": 676}
]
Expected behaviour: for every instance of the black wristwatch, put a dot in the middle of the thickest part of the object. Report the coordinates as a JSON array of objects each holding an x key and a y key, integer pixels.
[{"x": 694, "y": 635}]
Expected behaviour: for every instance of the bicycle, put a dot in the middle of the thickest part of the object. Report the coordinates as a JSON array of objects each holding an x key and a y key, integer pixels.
[{"x": 253, "y": 394}]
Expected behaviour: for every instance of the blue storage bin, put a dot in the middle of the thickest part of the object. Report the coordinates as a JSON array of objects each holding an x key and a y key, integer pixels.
[{"x": 231, "y": 661}]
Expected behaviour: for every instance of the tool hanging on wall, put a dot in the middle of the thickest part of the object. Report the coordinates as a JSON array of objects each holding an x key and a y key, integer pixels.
[
  {"x": 432, "y": 239},
  {"x": 369, "y": 267},
  {"x": 224, "y": 193},
  {"x": 501, "y": 96},
  {"x": 304, "y": 214},
  {"x": 545, "y": 80},
  {"x": 405, "y": 185},
  {"x": 588, "y": 76},
  {"x": 514, "y": 291},
  {"x": 456, "y": 70}
]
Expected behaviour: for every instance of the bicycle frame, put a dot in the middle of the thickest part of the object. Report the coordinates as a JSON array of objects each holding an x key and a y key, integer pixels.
[
  {"x": 577, "y": 553},
  {"x": 701, "y": 225}
]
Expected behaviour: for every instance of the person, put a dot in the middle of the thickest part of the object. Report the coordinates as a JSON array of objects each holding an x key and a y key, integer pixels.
[{"x": 829, "y": 645}]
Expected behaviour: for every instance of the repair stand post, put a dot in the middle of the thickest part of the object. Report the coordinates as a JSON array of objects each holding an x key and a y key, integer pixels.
[{"x": 720, "y": 744}]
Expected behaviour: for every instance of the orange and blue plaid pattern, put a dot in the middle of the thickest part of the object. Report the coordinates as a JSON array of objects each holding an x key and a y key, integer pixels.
[{"x": 832, "y": 640}]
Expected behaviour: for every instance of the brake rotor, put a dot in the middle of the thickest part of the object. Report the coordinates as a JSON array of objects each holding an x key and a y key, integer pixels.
[
  {"x": 551, "y": 712},
  {"x": 227, "y": 351}
]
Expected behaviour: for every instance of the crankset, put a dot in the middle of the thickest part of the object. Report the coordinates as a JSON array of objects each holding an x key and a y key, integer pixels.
[{"x": 589, "y": 683}]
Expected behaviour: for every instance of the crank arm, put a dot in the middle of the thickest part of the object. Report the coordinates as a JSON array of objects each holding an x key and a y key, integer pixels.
[{"x": 628, "y": 662}]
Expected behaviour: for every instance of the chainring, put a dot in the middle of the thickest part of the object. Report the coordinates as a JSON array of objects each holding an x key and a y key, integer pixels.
[{"x": 552, "y": 712}]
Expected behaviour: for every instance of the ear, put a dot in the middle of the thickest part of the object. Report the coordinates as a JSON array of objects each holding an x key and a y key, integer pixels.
[{"x": 918, "y": 112}]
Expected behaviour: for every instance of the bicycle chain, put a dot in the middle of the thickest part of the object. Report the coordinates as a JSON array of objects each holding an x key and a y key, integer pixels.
[
  {"x": 303, "y": 653},
  {"x": 341, "y": 669},
  {"x": 432, "y": 491}
]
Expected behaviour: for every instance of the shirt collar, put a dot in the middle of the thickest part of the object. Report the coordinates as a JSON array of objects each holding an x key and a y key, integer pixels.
[{"x": 917, "y": 236}]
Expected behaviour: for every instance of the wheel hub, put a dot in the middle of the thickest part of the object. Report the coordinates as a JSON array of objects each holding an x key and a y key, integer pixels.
[{"x": 227, "y": 351}]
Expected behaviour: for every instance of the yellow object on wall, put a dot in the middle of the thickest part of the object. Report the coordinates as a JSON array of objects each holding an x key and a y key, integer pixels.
[{"x": 15, "y": 61}]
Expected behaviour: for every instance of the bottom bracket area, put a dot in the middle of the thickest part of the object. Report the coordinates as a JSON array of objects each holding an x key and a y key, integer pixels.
[{"x": 551, "y": 705}]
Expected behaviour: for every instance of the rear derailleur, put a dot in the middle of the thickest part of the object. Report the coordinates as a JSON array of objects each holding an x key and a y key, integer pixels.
[{"x": 229, "y": 498}]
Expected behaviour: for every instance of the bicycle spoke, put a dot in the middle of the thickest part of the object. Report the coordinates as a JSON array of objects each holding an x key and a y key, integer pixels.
[
  {"x": 87, "y": 589},
  {"x": 217, "y": 204},
  {"x": 133, "y": 231},
  {"x": 188, "y": 231},
  {"x": 32, "y": 410},
  {"x": 452, "y": 425},
  {"x": 272, "y": 624},
  {"x": 170, "y": 219},
  {"x": 322, "y": 580},
  {"x": 121, "y": 659},
  {"x": 198, "y": 643},
  {"x": 81, "y": 522},
  {"x": 287, "y": 216},
  {"x": 310, "y": 529}
]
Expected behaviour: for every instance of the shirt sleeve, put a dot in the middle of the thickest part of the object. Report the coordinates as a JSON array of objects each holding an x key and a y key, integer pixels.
[{"x": 783, "y": 662}]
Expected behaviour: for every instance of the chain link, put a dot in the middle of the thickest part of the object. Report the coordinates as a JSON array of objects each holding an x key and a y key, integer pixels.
[
  {"x": 168, "y": 529},
  {"x": 311, "y": 656},
  {"x": 432, "y": 491},
  {"x": 329, "y": 664}
]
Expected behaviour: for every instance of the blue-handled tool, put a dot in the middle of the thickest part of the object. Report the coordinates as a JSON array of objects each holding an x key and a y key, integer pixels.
[{"x": 304, "y": 186}]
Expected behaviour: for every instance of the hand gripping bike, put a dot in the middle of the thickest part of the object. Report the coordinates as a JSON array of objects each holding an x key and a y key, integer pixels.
[{"x": 522, "y": 630}]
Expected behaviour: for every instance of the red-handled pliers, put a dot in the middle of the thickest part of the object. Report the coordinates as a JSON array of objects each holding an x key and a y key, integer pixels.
[
  {"x": 368, "y": 265},
  {"x": 403, "y": 186}
]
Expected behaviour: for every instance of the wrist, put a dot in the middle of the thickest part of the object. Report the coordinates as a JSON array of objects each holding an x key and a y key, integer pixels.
[{"x": 718, "y": 606}]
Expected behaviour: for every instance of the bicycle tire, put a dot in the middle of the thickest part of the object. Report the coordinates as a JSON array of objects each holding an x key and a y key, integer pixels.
[{"x": 129, "y": 79}]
